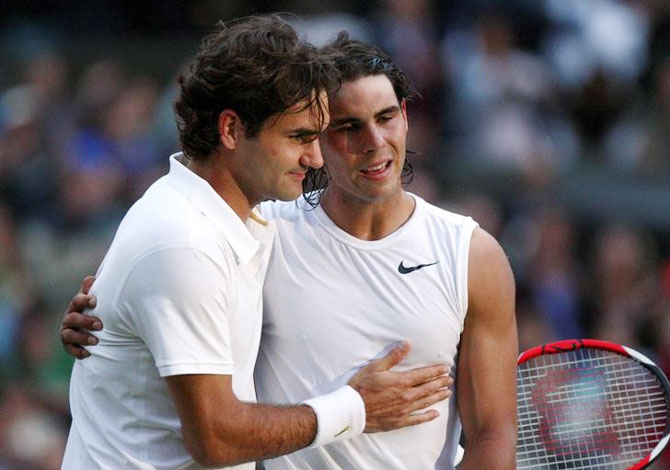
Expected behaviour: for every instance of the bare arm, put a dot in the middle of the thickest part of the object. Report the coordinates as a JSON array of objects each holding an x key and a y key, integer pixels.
[
  {"x": 220, "y": 430},
  {"x": 487, "y": 360}
]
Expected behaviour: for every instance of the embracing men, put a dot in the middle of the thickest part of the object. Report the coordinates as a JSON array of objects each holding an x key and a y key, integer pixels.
[{"x": 369, "y": 266}]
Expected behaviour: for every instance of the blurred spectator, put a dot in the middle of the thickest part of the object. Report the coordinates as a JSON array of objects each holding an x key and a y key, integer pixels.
[
  {"x": 31, "y": 437},
  {"x": 640, "y": 141},
  {"x": 505, "y": 112},
  {"x": 596, "y": 36},
  {"x": 554, "y": 276},
  {"x": 625, "y": 281}
]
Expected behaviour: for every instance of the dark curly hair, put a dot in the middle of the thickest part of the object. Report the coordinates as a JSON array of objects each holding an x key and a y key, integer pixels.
[
  {"x": 256, "y": 66},
  {"x": 354, "y": 59}
]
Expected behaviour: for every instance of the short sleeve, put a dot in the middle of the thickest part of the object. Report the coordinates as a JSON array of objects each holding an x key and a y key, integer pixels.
[{"x": 177, "y": 301}]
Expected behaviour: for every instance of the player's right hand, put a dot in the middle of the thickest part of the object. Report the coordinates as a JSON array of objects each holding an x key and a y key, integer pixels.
[
  {"x": 74, "y": 330},
  {"x": 391, "y": 397}
]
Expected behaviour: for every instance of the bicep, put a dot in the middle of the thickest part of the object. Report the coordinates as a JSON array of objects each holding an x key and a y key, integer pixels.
[{"x": 488, "y": 350}]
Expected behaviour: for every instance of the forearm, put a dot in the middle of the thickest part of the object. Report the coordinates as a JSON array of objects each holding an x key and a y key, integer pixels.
[
  {"x": 261, "y": 431},
  {"x": 220, "y": 430}
]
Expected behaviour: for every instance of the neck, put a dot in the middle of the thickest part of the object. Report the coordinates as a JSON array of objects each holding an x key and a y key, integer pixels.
[
  {"x": 368, "y": 220},
  {"x": 221, "y": 180}
]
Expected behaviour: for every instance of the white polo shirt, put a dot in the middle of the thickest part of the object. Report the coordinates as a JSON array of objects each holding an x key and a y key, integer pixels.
[{"x": 179, "y": 292}]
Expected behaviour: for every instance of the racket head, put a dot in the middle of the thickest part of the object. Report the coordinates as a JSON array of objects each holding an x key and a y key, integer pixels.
[{"x": 590, "y": 404}]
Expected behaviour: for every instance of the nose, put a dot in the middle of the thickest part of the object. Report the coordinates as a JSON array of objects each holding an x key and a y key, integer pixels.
[
  {"x": 312, "y": 156},
  {"x": 372, "y": 139}
]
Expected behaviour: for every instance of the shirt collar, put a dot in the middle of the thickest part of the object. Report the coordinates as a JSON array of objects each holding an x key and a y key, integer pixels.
[{"x": 215, "y": 208}]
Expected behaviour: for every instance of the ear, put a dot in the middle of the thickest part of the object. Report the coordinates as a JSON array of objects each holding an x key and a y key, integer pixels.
[
  {"x": 403, "y": 108},
  {"x": 230, "y": 128}
]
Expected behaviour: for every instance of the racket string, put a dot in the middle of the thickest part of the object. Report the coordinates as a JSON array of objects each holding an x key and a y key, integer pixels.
[{"x": 587, "y": 409}]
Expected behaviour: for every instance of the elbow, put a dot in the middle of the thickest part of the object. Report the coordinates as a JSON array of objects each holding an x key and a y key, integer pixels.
[{"x": 214, "y": 453}]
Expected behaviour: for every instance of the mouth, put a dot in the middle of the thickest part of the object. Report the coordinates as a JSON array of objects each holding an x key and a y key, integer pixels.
[
  {"x": 299, "y": 175},
  {"x": 376, "y": 171}
]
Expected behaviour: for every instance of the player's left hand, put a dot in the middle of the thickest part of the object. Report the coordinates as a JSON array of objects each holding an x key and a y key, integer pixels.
[{"x": 76, "y": 324}]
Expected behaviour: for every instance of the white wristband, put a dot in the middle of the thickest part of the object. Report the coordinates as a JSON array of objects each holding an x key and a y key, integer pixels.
[{"x": 339, "y": 415}]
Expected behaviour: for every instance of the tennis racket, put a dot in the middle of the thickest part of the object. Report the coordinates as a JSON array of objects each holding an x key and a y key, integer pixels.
[{"x": 590, "y": 404}]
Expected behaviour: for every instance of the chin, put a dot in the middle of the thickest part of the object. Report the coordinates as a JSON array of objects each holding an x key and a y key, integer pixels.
[{"x": 288, "y": 195}]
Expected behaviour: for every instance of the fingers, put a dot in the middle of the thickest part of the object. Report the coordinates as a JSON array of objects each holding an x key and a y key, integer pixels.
[
  {"x": 75, "y": 320},
  {"x": 81, "y": 302},
  {"x": 393, "y": 358},
  {"x": 420, "y": 375},
  {"x": 76, "y": 351},
  {"x": 426, "y": 400},
  {"x": 73, "y": 334},
  {"x": 417, "y": 418},
  {"x": 86, "y": 284},
  {"x": 77, "y": 338},
  {"x": 394, "y": 422},
  {"x": 422, "y": 396}
]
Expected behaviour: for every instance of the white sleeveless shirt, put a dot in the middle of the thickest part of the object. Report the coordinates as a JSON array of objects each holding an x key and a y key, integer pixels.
[{"x": 333, "y": 302}]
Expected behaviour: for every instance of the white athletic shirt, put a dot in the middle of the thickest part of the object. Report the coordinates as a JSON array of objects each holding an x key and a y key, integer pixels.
[
  {"x": 333, "y": 301},
  {"x": 179, "y": 292}
]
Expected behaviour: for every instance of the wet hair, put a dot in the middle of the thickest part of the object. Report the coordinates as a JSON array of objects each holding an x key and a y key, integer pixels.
[
  {"x": 354, "y": 59},
  {"x": 255, "y": 66}
]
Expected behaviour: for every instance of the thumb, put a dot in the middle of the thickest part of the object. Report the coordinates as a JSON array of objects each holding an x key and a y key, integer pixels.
[{"x": 392, "y": 358}]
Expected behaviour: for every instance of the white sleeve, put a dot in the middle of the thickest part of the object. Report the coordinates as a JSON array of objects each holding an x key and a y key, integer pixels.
[{"x": 177, "y": 300}]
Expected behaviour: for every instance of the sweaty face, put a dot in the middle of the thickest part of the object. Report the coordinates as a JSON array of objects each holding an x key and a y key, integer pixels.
[
  {"x": 273, "y": 164},
  {"x": 364, "y": 147}
]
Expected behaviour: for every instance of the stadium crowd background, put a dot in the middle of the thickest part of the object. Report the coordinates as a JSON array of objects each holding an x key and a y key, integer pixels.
[{"x": 547, "y": 120}]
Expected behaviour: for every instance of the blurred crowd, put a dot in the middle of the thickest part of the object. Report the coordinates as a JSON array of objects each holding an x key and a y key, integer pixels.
[{"x": 526, "y": 108}]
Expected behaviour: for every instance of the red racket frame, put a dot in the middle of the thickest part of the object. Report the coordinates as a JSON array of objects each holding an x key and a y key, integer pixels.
[{"x": 575, "y": 344}]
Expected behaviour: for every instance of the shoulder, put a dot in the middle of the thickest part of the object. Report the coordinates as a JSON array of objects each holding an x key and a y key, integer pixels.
[
  {"x": 490, "y": 278},
  {"x": 165, "y": 217},
  {"x": 444, "y": 216},
  {"x": 160, "y": 213},
  {"x": 174, "y": 272},
  {"x": 451, "y": 228}
]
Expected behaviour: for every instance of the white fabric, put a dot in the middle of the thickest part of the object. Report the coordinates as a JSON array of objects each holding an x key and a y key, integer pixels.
[
  {"x": 339, "y": 414},
  {"x": 179, "y": 292},
  {"x": 334, "y": 301}
]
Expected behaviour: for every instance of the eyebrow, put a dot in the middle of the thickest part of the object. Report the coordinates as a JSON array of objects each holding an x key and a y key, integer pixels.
[
  {"x": 303, "y": 131},
  {"x": 347, "y": 120}
]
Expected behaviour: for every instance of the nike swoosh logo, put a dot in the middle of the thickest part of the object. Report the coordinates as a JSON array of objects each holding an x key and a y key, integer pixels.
[
  {"x": 348, "y": 428},
  {"x": 402, "y": 269}
]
